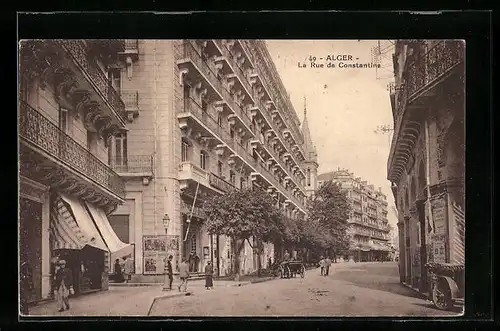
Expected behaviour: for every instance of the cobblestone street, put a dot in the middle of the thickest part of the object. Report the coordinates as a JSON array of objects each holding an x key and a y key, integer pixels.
[{"x": 360, "y": 289}]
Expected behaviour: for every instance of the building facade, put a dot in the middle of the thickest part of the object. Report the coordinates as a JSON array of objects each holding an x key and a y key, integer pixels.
[
  {"x": 368, "y": 223},
  {"x": 148, "y": 129},
  {"x": 69, "y": 111},
  {"x": 426, "y": 163}
]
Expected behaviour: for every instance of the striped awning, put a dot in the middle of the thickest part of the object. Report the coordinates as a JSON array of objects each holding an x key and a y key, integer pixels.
[
  {"x": 71, "y": 226},
  {"x": 117, "y": 248}
]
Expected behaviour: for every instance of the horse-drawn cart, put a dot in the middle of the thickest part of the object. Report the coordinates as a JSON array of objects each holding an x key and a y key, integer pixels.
[{"x": 289, "y": 269}]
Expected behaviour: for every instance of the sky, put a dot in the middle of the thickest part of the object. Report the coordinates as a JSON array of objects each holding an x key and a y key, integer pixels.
[{"x": 344, "y": 105}]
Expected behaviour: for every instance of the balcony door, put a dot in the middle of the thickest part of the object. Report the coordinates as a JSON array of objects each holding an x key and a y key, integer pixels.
[
  {"x": 114, "y": 78},
  {"x": 120, "y": 157}
]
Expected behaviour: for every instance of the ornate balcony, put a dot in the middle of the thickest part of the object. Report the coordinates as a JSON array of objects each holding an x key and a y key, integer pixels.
[
  {"x": 134, "y": 166},
  {"x": 131, "y": 100},
  {"x": 198, "y": 70},
  {"x": 425, "y": 72},
  {"x": 189, "y": 172},
  {"x": 51, "y": 156},
  {"x": 428, "y": 70},
  {"x": 244, "y": 121},
  {"x": 201, "y": 125},
  {"x": 79, "y": 53},
  {"x": 231, "y": 66}
]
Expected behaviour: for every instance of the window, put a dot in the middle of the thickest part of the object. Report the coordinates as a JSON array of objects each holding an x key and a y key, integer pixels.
[
  {"x": 219, "y": 168},
  {"x": 63, "y": 119},
  {"x": 186, "y": 91},
  {"x": 114, "y": 78},
  {"x": 231, "y": 132},
  {"x": 232, "y": 177},
  {"x": 308, "y": 177},
  {"x": 219, "y": 119},
  {"x": 203, "y": 160},
  {"x": 184, "y": 151},
  {"x": 243, "y": 183},
  {"x": 204, "y": 105},
  {"x": 121, "y": 149}
]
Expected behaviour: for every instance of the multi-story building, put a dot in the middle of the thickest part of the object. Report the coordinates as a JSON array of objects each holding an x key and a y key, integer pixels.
[
  {"x": 69, "y": 112},
  {"x": 187, "y": 119},
  {"x": 368, "y": 222},
  {"x": 426, "y": 163}
]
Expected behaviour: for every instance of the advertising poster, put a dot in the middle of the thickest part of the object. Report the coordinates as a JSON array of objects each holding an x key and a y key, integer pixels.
[{"x": 156, "y": 248}]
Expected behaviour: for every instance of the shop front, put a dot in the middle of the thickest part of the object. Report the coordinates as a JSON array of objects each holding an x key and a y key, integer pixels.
[{"x": 81, "y": 235}]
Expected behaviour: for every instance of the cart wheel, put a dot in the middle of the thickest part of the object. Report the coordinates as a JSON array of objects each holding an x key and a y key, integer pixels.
[
  {"x": 288, "y": 272},
  {"x": 302, "y": 272},
  {"x": 280, "y": 273},
  {"x": 441, "y": 296}
]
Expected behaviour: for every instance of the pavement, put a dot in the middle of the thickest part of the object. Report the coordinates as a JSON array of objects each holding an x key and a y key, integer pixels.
[
  {"x": 351, "y": 289},
  {"x": 125, "y": 300}
]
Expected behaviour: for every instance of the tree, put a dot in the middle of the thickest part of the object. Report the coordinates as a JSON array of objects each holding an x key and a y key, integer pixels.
[
  {"x": 329, "y": 211},
  {"x": 242, "y": 215}
]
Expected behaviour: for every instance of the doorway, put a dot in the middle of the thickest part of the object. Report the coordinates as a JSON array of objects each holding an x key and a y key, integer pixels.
[{"x": 30, "y": 242}]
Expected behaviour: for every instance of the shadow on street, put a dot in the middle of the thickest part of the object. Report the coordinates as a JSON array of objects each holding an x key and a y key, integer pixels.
[{"x": 383, "y": 276}]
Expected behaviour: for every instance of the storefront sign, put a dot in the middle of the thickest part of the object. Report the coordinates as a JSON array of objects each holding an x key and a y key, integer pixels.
[
  {"x": 439, "y": 215},
  {"x": 156, "y": 248}
]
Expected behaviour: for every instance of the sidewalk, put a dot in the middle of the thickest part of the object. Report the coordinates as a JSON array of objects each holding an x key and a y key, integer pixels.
[{"x": 124, "y": 300}]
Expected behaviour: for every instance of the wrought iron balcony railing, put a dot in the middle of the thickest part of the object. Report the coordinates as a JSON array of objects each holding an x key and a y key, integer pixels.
[
  {"x": 220, "y": 183},
  {"x": 436, "y": 62},
  {"x": 41, "y": 132},
  {"x": 130, "y": 98},
  {"x": 131, "y": 44},
  {"x": 133, "y": 164},
  {"x": 189, "y": 51},
  {"x": 78, "y": 51},
  {"x": 206, "y": 118}
]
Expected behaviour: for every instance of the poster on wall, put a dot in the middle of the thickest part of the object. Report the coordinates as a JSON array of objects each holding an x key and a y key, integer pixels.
[
  {"x": 439, "y": 216},
  {"x": 439, "y": 248},
  {"x": 156, "y": 248}
]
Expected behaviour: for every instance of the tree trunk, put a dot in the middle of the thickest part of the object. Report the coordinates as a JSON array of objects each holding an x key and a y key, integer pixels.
[
  {"x": 260, "y": 248},
  {"x": 237, "y": 246}
]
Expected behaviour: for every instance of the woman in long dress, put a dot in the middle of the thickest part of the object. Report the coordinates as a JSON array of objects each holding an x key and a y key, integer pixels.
[
  {"x": 63, "y": 286},
  {"x": 209, "y": 271}
]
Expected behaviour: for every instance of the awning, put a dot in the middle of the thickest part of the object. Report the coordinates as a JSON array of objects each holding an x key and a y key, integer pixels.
[
  {"x": 117, "y": 248},
  {"x": 71, "y": 226}
]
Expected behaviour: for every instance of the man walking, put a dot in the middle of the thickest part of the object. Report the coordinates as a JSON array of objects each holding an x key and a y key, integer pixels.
[
  {"x": 169, "y": 275},
  {"x": 183, "y": 274},
  {"x": 322, "y": 265},
  {"x": 328, "y": 263}
]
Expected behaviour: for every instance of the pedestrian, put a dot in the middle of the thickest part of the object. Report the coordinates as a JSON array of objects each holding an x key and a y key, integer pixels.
[
  {"x": 183, "y": 274},
  {"x": 169, "y": 275},
  {"x": 26, "y": 287},
  {"x": 209, "y": 271},
  {"x": 328, "y": 263},
  {"x": 118, "y": 271},
  {"x": 322, "y": 265},
  {"x": 64, "y": 286},
  {"x": 128, "y": 266},
  {"x": 286, "y": 257}
]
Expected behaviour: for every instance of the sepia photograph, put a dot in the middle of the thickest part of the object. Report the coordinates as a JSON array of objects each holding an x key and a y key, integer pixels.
[{"x": 241, "y": 177}]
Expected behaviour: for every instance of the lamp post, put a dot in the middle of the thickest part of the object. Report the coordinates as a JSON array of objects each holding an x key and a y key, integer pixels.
[{"x": 166, "y": 222}]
